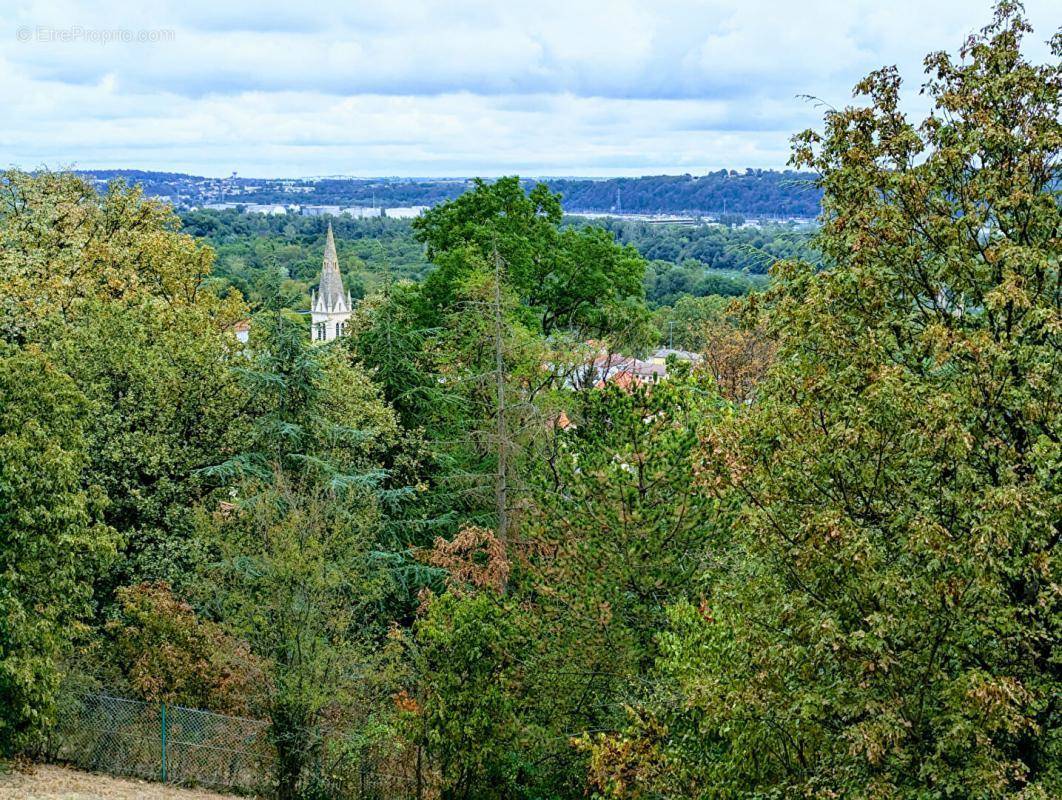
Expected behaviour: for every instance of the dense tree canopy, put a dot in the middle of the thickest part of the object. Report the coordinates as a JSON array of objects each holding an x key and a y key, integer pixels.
[
  {"x": 470, "y": 550},
  {"x": 51, "y": 537},
  {"x": 260, "y": 254},
  {"x": 567, "y": 279},
  {"x": 266, "y": 257},
  {"x": 887, "y": 622},
  {"x": 750, "y": 192}
]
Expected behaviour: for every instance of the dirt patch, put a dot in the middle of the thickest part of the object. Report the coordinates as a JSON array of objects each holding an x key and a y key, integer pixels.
[{"x": 47, "y": 782}]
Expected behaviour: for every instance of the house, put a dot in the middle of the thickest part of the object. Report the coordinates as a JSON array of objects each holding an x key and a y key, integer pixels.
[
  {"x": 620, "y": 369},
  {"x": 661, "y": 356}
]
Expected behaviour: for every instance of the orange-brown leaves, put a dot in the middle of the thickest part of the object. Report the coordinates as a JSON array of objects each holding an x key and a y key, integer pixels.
[
  {"x": 168, "y": 653},
  {"x": 737, "y": 358},
  {"x": 475, "y": 557}
]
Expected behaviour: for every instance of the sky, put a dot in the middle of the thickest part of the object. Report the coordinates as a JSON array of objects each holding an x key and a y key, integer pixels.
[{"x": 457, "y": 88}]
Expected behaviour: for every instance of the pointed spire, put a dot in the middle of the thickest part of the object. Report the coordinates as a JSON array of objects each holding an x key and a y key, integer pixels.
[
  {"x": 330, "y": 296},
  {"x": 330, "y": 248}
]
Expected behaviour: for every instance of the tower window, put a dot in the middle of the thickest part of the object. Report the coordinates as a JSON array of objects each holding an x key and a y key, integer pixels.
[{"x": 321, "y": 331}]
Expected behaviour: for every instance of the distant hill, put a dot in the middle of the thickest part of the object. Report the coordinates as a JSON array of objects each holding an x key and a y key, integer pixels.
[{"x": 751, "y": 193}]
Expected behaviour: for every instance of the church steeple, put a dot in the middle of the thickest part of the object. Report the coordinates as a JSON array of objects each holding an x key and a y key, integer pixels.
[
  {"x": 330, "y": 306},
  {"x": 330, "y": 295}
]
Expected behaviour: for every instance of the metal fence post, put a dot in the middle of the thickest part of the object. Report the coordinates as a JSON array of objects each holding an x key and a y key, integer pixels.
[{"x": 163, "y": 726}]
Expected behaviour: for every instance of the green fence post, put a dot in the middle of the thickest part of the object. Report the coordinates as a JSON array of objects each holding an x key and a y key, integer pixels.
[{"x": 163, "y": 726}]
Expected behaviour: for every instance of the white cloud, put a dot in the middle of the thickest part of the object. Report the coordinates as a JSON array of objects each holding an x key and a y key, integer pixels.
[{"x": 416, "y": 87}]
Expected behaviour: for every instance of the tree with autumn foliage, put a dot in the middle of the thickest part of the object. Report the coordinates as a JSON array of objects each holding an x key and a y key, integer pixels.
[
  {"x": 163, "y": 651},
  {"x": 885, "y": 620}
]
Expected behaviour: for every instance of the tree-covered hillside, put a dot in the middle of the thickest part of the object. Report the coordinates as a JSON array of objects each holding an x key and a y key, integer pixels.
[{"x": 752, "y": 192}]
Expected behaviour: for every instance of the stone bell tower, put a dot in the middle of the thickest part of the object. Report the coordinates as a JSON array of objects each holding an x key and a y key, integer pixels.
[{"x": 330, "y": 305}]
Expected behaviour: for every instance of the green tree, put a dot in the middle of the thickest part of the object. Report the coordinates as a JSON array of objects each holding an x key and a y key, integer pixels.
[
  {"x": 105, "y": 290},
  {"x": 165, "y": 400},
  {"x": 619, "y": 530},
  {"x": 295, "y": 578},
  {"x": 163, "y": 651},
  {"x": 387, "y": 337},
  {"x": 63, "y": 246},
  {"x": 467, "y": 651},
  {"x": 110, "y": 289},
  {"x": 566, "y": 279},
  {"x": 474, "y": 391},
  {"x": 494, "y": 364},
  {"x": 51, "y": 538},
  {"x": 685, "y": 325},
  {"x": 295, "y": 574},
  {"x": 887, "y": 622}
]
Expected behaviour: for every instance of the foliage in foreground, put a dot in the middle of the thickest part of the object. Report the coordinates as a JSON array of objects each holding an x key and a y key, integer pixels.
[
  {"x": 821, "y": 561},
  {"x": 888, "y": 619},
  {"x": 50, "y": 537}
]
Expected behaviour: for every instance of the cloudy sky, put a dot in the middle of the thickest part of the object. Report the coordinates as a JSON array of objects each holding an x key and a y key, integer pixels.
[{"x": 411, "y": 87}]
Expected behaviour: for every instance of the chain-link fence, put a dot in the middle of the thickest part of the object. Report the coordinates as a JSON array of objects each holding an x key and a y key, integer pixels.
[{"x": 163, "y": 742}]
